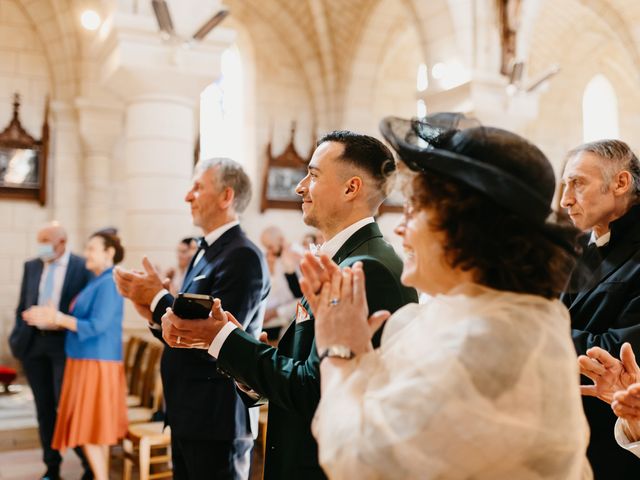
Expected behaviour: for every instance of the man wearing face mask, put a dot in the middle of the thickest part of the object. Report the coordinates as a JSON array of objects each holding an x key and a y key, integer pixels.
[{"x": 55, "y": 277}]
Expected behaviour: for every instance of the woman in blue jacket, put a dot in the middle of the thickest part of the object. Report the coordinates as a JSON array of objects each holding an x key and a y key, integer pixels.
[{"x": 92, "y": 411}]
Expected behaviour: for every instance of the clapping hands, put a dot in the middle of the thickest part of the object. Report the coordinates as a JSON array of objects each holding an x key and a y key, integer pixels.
[{"x": 338, "y": 301}]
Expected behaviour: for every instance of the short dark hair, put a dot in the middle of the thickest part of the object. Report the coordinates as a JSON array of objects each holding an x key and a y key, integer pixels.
[
  {"x": 368, "y": 154},
  {"x": 111, "y": 240},
  {"x": 505, "y": 251},
  {"x": 187, "y": 241}
]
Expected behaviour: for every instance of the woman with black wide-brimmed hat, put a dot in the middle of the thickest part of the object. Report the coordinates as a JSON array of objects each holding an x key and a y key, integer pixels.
[{"x": 481, "y": 381}]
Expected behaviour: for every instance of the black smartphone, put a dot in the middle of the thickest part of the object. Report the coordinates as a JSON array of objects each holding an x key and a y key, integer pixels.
[{"x": 192, "y": 305}]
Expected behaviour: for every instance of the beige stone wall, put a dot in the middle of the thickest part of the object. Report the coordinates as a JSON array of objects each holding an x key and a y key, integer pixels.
[
  {"x": 24, "y": 69},
  {"x": 322, "y": 64}
]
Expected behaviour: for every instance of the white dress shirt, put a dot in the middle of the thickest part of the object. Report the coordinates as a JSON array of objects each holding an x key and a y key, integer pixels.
[
  {"x": 330, "y": 247},
  {"x": 624, "y": 442},
  {"x": 60, "y": 272},
  {"x": 600, "y": 241}
]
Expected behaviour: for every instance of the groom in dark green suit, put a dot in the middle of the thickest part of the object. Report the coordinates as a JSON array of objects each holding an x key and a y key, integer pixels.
[{"x": 345, "y": 185}]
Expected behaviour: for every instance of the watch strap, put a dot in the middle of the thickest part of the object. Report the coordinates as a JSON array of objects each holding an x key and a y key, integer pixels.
[{"x": 337, "y": 351}]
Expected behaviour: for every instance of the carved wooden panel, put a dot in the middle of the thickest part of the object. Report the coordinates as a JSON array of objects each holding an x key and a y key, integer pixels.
[
  {"x": 23, "y": 159},
  {"x": 282, "y": 174}
]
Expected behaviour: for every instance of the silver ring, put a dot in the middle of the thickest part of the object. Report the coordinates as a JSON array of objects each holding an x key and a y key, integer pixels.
[
  {"x": 333, "y": 302},
  {"x": 178, "y": 341}
]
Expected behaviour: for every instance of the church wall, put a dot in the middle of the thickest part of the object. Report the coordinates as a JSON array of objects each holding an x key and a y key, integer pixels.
[
  {"x": 23, "y": 69},
  {"x": 281, "y": 96}
]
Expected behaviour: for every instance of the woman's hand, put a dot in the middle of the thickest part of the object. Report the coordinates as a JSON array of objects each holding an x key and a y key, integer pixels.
[
  {"x": 340, "y": 306},
  {"x": 41, "y": 316}
]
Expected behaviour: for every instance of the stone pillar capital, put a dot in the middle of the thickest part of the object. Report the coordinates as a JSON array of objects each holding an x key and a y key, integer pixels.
[
  {"x": 137, "y": 61},
  {"x": 487, "y": 98}
]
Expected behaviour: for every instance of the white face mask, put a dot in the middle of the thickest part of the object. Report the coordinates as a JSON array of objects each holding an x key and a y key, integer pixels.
[{"x": 46, "y": 252}]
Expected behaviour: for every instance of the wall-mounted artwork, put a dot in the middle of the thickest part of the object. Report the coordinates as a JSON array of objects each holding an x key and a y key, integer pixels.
[
  {"x": 281, "y": 176},
  {"x": 23, "y": 159}
]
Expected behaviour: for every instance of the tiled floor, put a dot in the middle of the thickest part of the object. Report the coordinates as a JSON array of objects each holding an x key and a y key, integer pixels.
[
  {"x": 20, "y": 459},
  {"x": 27, "y": 465}
]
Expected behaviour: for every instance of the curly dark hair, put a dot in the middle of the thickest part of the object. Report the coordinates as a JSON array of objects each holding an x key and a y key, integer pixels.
[
  {"x": 111, "y": 240},
  {"x": 504, "y": 251}
]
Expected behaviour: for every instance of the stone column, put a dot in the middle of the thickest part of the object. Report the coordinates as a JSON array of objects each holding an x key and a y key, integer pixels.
[
  {"x": 160, "y": 84},
  {"x": 159, "y": 143},
  {"x": 100, "y": 126},
  {"x": 64, "y": 169}
]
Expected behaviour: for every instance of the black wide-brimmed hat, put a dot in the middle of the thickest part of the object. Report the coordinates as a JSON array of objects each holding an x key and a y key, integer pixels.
[
  {"x": 500, "y": 164},
  {"x": 507, "y": 168}
]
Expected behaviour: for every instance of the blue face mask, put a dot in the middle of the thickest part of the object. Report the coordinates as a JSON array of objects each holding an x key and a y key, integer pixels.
[{"x": 46, "y": 252}]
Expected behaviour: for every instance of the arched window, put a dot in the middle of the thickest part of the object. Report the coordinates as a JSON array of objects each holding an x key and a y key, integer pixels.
[
  {"x": 599, "y": 110},
  {"x": 221, "y": 111}
]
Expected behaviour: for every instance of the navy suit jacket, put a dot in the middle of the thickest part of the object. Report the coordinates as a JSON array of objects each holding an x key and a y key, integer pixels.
[
  {"x": 202, "y": 403},
  {"x": 75, "y": 279}
]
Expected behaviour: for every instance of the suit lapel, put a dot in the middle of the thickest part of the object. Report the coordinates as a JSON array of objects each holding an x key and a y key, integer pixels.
[
  {"x": 69, "y": 275},
  {"x": 612, "y": 262},
  {"x": 288, "y": 342},
  {"x": 35, "y": 280},
  {"x": 366, "y": 233},
  {"x": 209, "y": 254}
]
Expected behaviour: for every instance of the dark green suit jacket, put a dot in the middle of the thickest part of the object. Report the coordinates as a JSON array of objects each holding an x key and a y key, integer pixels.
[{"x": 289, "y": 376}]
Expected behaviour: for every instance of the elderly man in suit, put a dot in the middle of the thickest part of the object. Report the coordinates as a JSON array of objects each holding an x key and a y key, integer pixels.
[
  {"x": 211, "y": 428},
  {"x": 344, "y": 187},
  {"x": 601, "y": 192},
  {"x": 55, "y": 278}
]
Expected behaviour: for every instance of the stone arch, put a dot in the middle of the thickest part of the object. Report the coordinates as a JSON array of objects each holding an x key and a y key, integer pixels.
[
  {"x": 55, "y": 23},
  {"x": 558, "y": 126}
]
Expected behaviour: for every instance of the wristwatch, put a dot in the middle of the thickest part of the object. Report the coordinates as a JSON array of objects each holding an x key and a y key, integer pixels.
[{"x": 337, "y": 351}]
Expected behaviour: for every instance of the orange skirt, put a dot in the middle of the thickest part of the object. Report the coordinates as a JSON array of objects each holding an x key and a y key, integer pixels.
[{"x": 92, "y": 409}]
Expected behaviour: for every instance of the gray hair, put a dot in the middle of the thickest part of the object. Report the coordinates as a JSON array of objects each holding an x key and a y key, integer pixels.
[
  {"x": 229, "y": 173},
  {"x": 617, "y": 156}
]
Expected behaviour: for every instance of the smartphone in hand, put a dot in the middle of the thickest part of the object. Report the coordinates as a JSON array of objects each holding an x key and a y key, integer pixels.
[{"x": 192, "y": 306}]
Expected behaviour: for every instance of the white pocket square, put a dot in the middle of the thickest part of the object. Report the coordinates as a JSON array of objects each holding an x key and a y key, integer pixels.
[{"x": 199, "y": 277}]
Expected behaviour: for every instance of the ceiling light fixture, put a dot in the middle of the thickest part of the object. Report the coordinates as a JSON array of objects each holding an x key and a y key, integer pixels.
[{"x": 90, "y": 20}]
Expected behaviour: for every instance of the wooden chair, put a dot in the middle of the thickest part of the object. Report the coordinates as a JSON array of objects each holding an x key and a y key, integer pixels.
[
  {"x": 130, "y": 346},
  {"x": 151, "y": 395},
  {"x": 148, "y": 446},
  {"x": 135, "y": 362}
]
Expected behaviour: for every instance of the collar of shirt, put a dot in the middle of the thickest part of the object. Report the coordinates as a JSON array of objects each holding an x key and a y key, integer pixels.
[
  {"x": 331, "y": 247},
  {"x": 214, "y": 235},
  {"x": 63, "y": 261},
  {"x": 600, "y": 241}
]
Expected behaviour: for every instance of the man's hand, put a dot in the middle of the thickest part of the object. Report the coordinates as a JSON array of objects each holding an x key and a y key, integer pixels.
[
  {"x": 41, "y": 317},
  {"x": 179, "y": 333},
  {"x": 143, "y": 311},
  {"x": 609, "y": 375},
  {"x": 139, "y": 287},
  {"x": 316, "y": 271},
  {"x": 341, "y": 311},
  {"x": 626, "y": 405}
]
